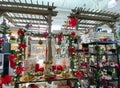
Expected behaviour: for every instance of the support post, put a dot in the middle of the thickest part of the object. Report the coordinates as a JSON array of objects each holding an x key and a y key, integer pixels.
[{"x": 49, "y": 38}]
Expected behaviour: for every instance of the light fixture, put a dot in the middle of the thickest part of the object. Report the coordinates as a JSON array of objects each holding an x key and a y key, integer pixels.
[{"x": 112, "y": 3}]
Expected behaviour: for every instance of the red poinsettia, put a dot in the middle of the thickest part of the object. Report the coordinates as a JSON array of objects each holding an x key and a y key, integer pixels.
[
  {"x": 85, "y": 64},
  {"x": 54, "y": 67},
  {"x": 78, "y": 74},
  {"x": 73, "y": 34},
  {"x": 59, "y": 36},
  {"x": 7, "y": 79},
  {"x": 33, "y": 86},
  {"x": 36, "y": 67},
  {"x": 45, "y": 34},
  {"x": 71, "y": 50},
  {"x": 12, "y": 64},
  {"x": 1, "y": 41},
  {"x": 19, "y": 70},
  {"x": 22, "y": 46},
  {"x": 20, "y": 32},
  {"x": 59, "y": 67},
  {"x": 41, "y": 69},
  {"x": 12, "y": 57},
  {"x": 73, "y": 21}
]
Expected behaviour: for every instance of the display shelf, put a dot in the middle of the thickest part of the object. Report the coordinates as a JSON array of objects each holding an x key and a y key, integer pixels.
[
  {"x": 60, "y": 79},
  {"x": 104, "y": 54},
  {"x": 103, "y": 42},
  {"x": 100, "y": 49}
]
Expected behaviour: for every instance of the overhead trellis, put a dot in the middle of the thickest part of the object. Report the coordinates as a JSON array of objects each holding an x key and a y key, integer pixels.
[
  {"x": 88, "y": 19},
  {"x": 20, "y": 13}
]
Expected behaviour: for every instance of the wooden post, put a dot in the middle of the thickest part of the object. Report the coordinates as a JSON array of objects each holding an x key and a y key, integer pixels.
[{"x": 49, "y": 38}]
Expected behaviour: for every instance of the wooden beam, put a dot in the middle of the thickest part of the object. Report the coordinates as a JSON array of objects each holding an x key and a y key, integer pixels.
[
  {"x": 8, "y": 18},
  {"x": 27, "y": 10},
  {"x": 35, "y": 23},
  {"x": 27, "y": 4},
  {"x": 95, "y": 13},
  {"x": 95, "y": 18},
  {"x": 32, "y": 26},
  {"x": 26, "y": 18}
]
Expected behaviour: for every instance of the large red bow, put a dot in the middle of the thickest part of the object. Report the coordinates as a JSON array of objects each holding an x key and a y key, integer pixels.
[{"x": 72, "y": 21}]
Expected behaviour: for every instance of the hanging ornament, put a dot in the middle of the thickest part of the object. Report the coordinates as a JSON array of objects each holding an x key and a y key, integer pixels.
[
  {"x": 40, "y": 42},
  {"x": 73, "y": 22}
]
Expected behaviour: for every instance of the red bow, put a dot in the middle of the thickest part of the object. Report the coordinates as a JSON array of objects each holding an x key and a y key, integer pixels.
[
  {"x": 72, "y": 22},
  {"x": 22, "y": 46},
  {"x": 20, "y": 32},
  {"x": 73, "y": 34},
  {"x": 78, "y": 74},
  {"x": 71, "y": 50},
  {"x": 19, "y": 70},
  {"x": 1, "y": 41}
]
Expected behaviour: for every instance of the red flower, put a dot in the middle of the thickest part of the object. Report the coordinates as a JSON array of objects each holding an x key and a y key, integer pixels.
[
  {"x": 73, "y": 34},
  {"x": 22, "y": 46},
  {"x": 72, "y": 21},
  {"x": 36, "y": 67},
  {"x": 20, "y": 32},
  {"x": 41, "y": 69},
  {"x": 45, "y": 34},
  {"x": 12, "y": 64},
  {"x": 117, "y": 67},
  {"x": 1, "y": 41},
  {"x": 71, "y": 50},
  {"x": 33, "y": 86},
  {"x": 54, "y": 67},
  {"x": 12, "y": 57},
  {"x": 7, "y": 79},
  {"x": 78, "y": 74},
  {"x": 84, "y": 64},
  {"x": 59, "y": 36},
  {"x": 59, "y": 67},
  {"x": 19, "y": 70}
]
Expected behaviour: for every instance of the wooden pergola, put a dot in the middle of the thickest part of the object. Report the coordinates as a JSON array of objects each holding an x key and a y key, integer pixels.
[
  {"x": 88, "y": 19},
  {"x": 21, "y": 13}
]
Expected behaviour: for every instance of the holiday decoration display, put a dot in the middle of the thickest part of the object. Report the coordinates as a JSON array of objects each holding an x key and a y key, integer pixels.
[{"x": 17, "y": 57}]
